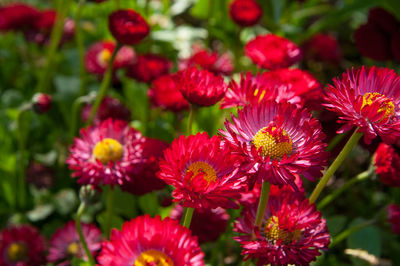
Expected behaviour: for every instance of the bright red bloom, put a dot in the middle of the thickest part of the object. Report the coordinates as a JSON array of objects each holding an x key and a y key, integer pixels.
[
  {"x": 278, "y": 142},
  {"x": 394, "y": 217},
  {"x": 368, "y": 98},
  {"x": 211, "y": 61},
  {"x": 292, "y": 231},
  {"x": 146, "y": 180},
  {"x": 272, "y": 52},
  {"x": 108, "y": 153},
  {"x": 65, "y": 243},
  {"x": 245, "y": 12},
  {"x": 207, "y": 224},
  {"x": 41, "y": 103},
  {"x": 109, "y": 108},
  {"x": 128, "y": 26},
  {"x": 148, "y": 67},
  {"x": 200, "y": 87},
  {"x": 164, "y": 93},
  {"x": 323, "y": 47},
  {"x": 99, "y": 54},
  {"x": 151, "y": 241},
  {"x": 22, "y": 246},
  {"x": 203, "y": 171},
  {"x": 387, "y": 165},
  {"x": 17, "y": 16}
]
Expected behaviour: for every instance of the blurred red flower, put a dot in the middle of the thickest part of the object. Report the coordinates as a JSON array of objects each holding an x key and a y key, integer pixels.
[
  {"x": 109, "y": 108},
  {"x": 245, "y": 12},
  {"x": 322, "y": 47},
  {"x": 387, "y": 163},
  {"x": 148, "y": 67}
]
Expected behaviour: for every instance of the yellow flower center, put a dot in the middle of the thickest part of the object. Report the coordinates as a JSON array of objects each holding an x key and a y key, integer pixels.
[
  {"x": 273, "y": 233},
  {"x": 209, "y": 173},
  {"x": 104, "y": 57},
  {"x": 386, "y": 105},
  {"x": 17, "y": 252},
  {"x": 274, "y": 142},
  {"x": 107, "y": 150},
  {"x": 73, "y": 249},
  {"x": 154, "y": 258}
]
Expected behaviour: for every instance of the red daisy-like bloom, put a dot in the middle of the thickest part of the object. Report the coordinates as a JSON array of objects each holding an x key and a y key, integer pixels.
[
  {"x": 387, "y": 165},
  {"x": 272, "y": 52},
  {"x": 245, "y": 12},
  {"x": 17, "y": 16},
  {"x": 394, "y": 217},
  {"x": 278, "y": 142},
  {"x": 109, "y": 108},
  {"x": 368, "y": 98},
  {"x": 146, "y": 180},
  {"x": 41, "y": 103},
  {"x": 292, "y": 231},
  {"x": 164, "y": 93},
  {"x": 99, "y": 54},
  {"x": 65, "y": 243},
  {"x": 207, "y": 224},
  {"x": 22, "y": 246},
  {"x": 128, "y": 26},
  {"x": 200, "y": 87},
  {"x": 203, "y": 171},
  {"x": 148, "y": 67},
  {"x": 323, "y": 47},
  {"x": 151, "y": 241},
  {"x": 108, "y": 153}
]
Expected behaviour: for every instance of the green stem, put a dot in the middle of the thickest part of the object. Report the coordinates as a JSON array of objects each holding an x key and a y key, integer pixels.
[
  {"x": 335, "y": 165},
  {"x": 262, "y": 205},
  {"x": 78, "y": 226},
  {"x": 336, "y": 140},
  {"x": 104, "y": 84},
  {"x": 191, "y": 117},
  {"x": 55, "y": 39},
  {"x": 188, "y": 217},
  {"x": 328, "y": 199},
  {"x": 81, "y": 47},
  {"x": 74, "y": 115},
  {"x": 109, "y": 210},
  {"x": 346, "y": 233}
]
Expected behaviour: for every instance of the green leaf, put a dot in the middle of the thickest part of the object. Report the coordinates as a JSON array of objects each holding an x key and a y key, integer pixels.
[
  {"x": 336, "y": 224},
  {"x": 201, "y": 9},
  {"x": 66, "y": 201},
  {"x": 116, "y": 221},
  {"x": 126, "y": 204},
  {"x": 149, "y": 204},
  {"x": 79, "y": 262},
  {"x": 40, "y": 212}
]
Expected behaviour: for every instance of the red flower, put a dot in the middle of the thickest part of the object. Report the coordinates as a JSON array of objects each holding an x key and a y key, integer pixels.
[
  {"x": 203, "y": 171},
  {"x": 148, "y": 67},
  {"x": 292, "y": 231},
  {"x": 245, "y": 12},
  {"x": 368, "y": 98},
  {"x": 146, "y": 180},
  {"x": 272, "y": 52},
  {"x": 99, "y": 54},
  {"x": 278, "y": 142},
  {"x": 65, "y": 243},
  {"x": 22, "y": 246},
  {"x": 200, "y": 87},
  {"x": 17, "y": 16},
  {"x": 109, "y": 108},
  {"x": 108, "y": 153},
  {"x": 151, "y": 241},
  {"x": 387, "y": 165},
  {"x": 207, "y": 224},
  {"x": 394, "y": 217},
  {"x": 165, "y": 93},
  {"x": 41, "y": 103},
  {"x": 323, "y": 47},
  {"x": 40, "y": 176},
  {"x": 128, "y": 26}
]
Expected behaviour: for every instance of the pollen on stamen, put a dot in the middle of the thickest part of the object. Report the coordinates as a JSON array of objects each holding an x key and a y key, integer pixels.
[
  {"x": 108, "y": 150},
  {"x": 274, "y": 142},
  {"x": 273, "y": 233},
  {"x": 209, "y": 173},
  {"x": 386, "y": 105}
]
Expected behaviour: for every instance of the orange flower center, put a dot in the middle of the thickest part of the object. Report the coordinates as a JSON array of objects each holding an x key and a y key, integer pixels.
[
  {"x": 104, "y": 57},
  {"x": 17, "y": 252},
  {"x": 274, "y": 233},
  {"x": 209, "y": 173},
  {"x": 386, "y": 105},
  {"x": 107, "y": 150},
  {"x": 274, "y": 142},
  {"x": 73, "y": 249},
  {"x": 154, "y": 258}
]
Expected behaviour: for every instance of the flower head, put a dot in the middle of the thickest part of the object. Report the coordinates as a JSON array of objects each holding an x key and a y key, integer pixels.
[
  {"x": 322, "y": 47},
  {"x": 203, "y": 171},
  {"x": 278, "y": 142},
  {"x": 387, "y": 165},
  {"x": 128, "y": 26},
  {"x": 108, "y": 153},
  {"x": 109, "y": 108},
  {"x": 148, "y": 67},
  {"x": 292, "y": 231},
  {"x": 368, "y": 98},
  {"x": 22, "y": 246},
  {"x": 272, "y": 52},
  {"x": 41, "y": 103},
  {"x": 17, "y": 16},
  {"x": 65, "y": 243},
  {"x": 393, "y": 211},
  {"x": 245, "y": 12},
  {"x": 200, "y": 87},
  {"x": 151, "y": 241}
]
